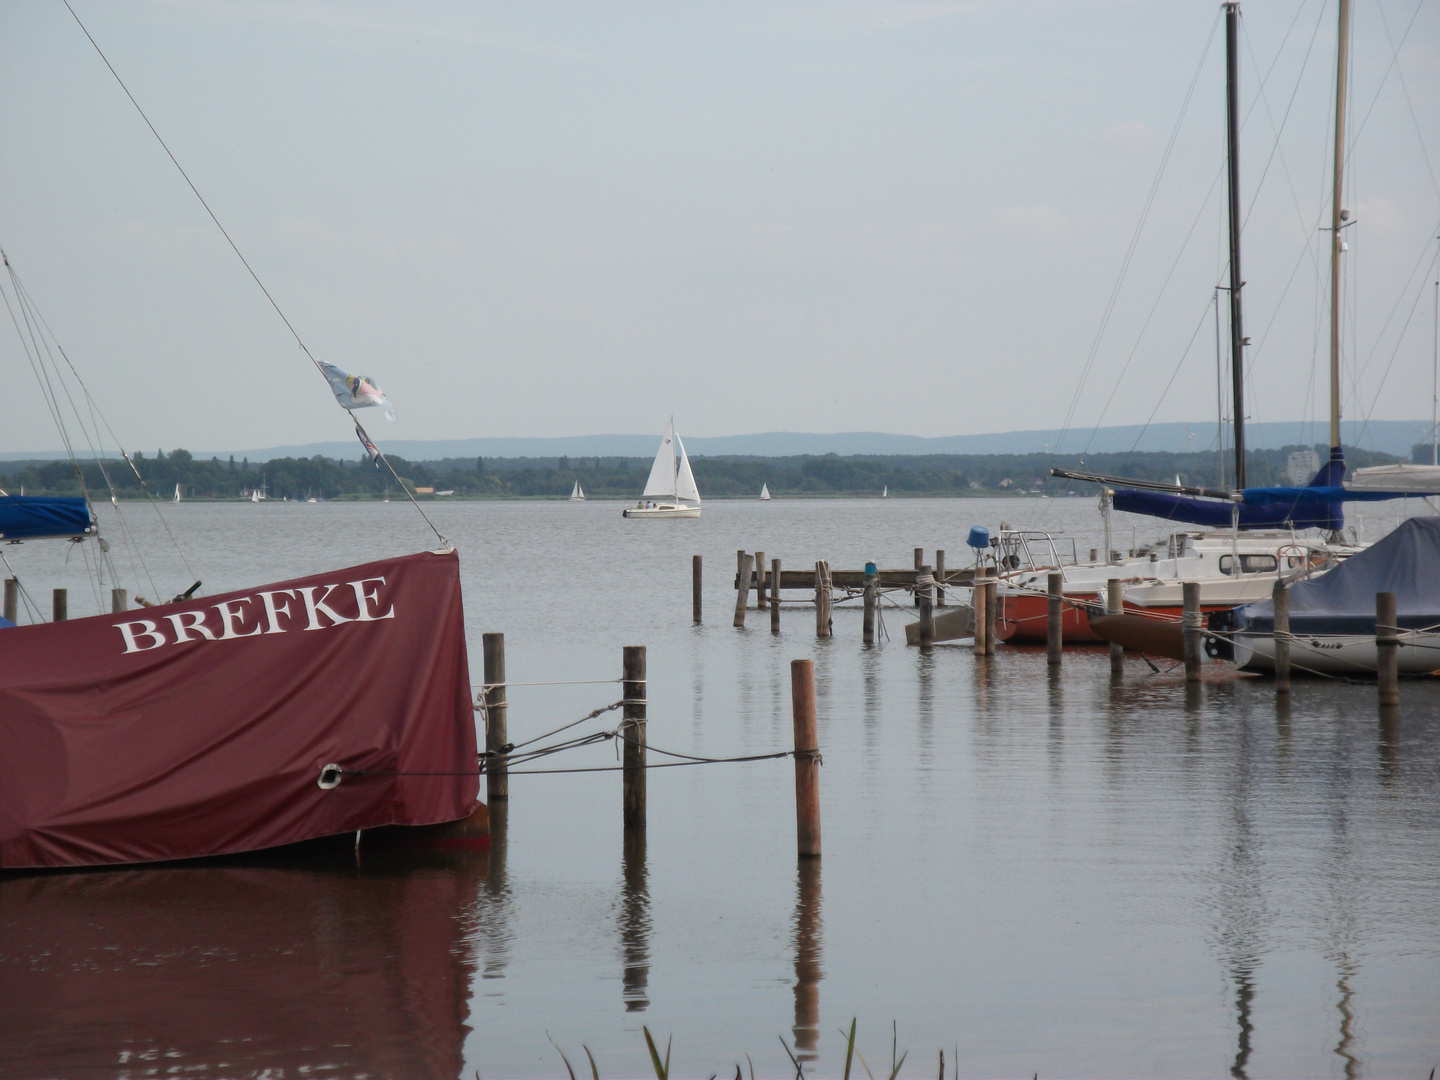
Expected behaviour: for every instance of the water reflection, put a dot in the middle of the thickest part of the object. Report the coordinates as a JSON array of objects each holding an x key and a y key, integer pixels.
[
  {"x": 228, "y": 969},
  {"x": 635, "y": 921},
  {"x": 1347, "y": 1019},
  {"x": 925, "y": 675},
  {"x": 809, "y": 946},
  {"x": 495, "y": 917},
  {"x": 1389, "y": 745},
  {"x": 1242, "y": 901}
]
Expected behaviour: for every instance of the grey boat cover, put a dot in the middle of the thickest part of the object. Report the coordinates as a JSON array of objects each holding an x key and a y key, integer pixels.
[{"x": 1407, "y": 563}]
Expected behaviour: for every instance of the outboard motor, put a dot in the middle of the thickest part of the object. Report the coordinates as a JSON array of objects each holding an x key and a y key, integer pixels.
[{"x": 1223, "y": 621}]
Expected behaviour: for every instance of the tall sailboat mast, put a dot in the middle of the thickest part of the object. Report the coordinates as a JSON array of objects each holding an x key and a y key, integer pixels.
[
  {"x": 1338, "y": 216},
  {"x": 1237, "y": 283}
]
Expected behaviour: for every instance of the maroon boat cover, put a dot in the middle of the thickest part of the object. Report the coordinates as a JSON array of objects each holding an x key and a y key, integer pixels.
[{"x": 203, "y": 727}]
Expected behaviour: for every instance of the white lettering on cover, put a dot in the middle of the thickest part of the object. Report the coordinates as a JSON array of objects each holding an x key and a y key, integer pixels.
[
  {"x": 229, "y": 618},
  {"x": 196, "y": 622},
  {"x": 364, "y": 599},
  {"x": 273, "y": 611},
  {"x": 132, "y": 631},
  {"x": 313, "y": 607}
]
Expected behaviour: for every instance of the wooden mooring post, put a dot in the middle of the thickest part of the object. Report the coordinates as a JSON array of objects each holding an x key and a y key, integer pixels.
[
  {"x": 919, "y": 558},
  {"x": 497, "y": 770},
  {"x": 1055, "y": 613},
  {"x": 774, "y": 596},
  {"x": 742, "y": 594},
  {"x": 632, "y": 729},
  {"x": 12, "y": 599},
  {"x": 695, "y": 606},
  {"x": 872, "y": 598},
  {"x": 807, "y": 758},
  {"x": 1387, "y": 649},
  {"x": 939, "y": 578},
  {"x": 119, "y": 599},
  {"x": 1191, "y": 624},
  {"x": 925, "y": 587},
  {"x": 992, "y": 612},
  {"x": 1280, "y": 598},
  {"x": 1114, "y": 605},
  {"x": 59, "y": 605},
  {"x": 822, "y": 599},
  {"x": 978, "y": 598},
  {"x": 759, "y": 581}
]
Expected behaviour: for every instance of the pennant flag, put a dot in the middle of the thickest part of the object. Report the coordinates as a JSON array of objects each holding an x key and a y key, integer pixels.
[
  {"x": 356, "y": 391},
  {"x": 370, "y": 447}
]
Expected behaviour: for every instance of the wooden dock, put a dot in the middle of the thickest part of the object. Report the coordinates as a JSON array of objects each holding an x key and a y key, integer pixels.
[{"x": 855, "y": 579}]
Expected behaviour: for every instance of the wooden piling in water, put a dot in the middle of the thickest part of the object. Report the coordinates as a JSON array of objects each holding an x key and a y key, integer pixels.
[
  {"x": 926, "y": 589},
  {"x": 759, "y": 581},
  {"x": 939, "y": 578},
  {"x": 742, "y": 594},
  {"x": 1054, "y": 627},
  {"x": 1191, "y": 622},
  {"x": 119, "y": 599},
  {"x": 1280, "y": 598},
  {"x": 632, "y": 727},
  {"x": 992, "y": 611},
  {"x": 12, "y": 600},
  {"x": 1114, "y": 605},
  {"x": 919, "y": 558},
  {"x": 59, "y": 605},
  {"x": 822, "y": 599},
  {"x": 774, "y": 596},
  {"x": 872, "y": 598},
  {"x": 978, "y": 598},
  {"x": 695, "y": 587},
  {"x": 497, "y": 769},
  {"x": 1387, "y": 649},
  {"x": 807, "y": 758}
]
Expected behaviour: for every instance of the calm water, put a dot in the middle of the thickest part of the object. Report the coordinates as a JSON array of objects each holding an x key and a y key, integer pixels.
[{"x": 1061, "y": 875}]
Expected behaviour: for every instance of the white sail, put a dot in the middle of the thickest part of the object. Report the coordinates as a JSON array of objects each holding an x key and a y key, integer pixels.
[
  {"x": 662, "y": 473},
  {"x": 685, "y": 489},
  {"x": 177, "y": 493},
  {"x": 764, "y": 492},
  {"x": 886, "y": 493},
  {"x": 577, "y": 495},
  {"x": 581, "y": 490}
]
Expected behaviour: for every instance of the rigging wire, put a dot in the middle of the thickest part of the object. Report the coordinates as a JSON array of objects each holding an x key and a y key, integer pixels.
[{"x": 245, "y": 262}]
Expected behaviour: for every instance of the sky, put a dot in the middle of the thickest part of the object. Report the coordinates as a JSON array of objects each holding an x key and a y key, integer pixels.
[{"x": 553, "y": 218}]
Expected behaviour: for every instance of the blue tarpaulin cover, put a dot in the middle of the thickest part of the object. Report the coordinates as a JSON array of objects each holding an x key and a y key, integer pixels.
[
  {"x": 1263, "y": 508},
  {"x": 1407, "y": 563},
  {"x": 33, "y": 517}
]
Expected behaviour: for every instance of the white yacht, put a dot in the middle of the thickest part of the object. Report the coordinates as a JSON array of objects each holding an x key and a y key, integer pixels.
[{"x": 670, "y": 492}]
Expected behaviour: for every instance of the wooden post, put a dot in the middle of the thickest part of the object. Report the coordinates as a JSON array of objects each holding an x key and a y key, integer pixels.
[
  {"x": 1115, "y": 605},
  {"x": 759, "y": 581},
  {"x": 695, "y": 587},
  {"x": 1094, "y": 555},
  {"x": 742, "y": 594},
  {"x": 924, "y": 585},
  {"x": 1054, "y": 640},
  {"x": 1280, "y": 598},
  {"x": 992, "y": 610},
  {"x": 822, "y": 599},
  {"x": 919, "y": 558},
  {"x": 12, "y": 599},
  {"x": 978, "y": 598},
  {"x": 1190, "y": 625},
  {"x": 939, "y": 578},
  {"x": 1387, "y": 649},
  {"x": 59, "y": 605},
  {"x": 872, "y": 598},
  {"x": 119, "y": 599},
  {"x": 774, "y": 596},
  {"x": 632, "y": 727},
  {"x": 497, "y": 769},
  {"x": 807, "y": 758}
]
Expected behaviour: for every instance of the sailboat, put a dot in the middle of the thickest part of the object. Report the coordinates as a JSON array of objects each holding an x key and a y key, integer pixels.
[
  {"x": 177, "y": 494},
  {"x": 764, "y": 492},
  {"x": 670, "y": 492},
  {"x": 578, "y": 494},
  {"x": 886, "y": 493}
]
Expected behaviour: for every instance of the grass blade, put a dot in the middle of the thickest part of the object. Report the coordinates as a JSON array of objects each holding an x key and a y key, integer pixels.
[
  {"x": 562, "y": 1056},
  {"x": 798, "y": 1071},
  {"x": 594, "y": 1072},
  {"x": 850, "y": 1048},
  {"x": 662, "y": 1072},
  {"x": 899, "y": 1065}
]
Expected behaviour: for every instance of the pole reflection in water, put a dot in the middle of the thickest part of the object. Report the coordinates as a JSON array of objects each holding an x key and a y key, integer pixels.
[
  {"x": 1389, "y": 745},
  {"x": 496, "y": 915},
  {"x": 809, "y": 947},
  {"x": 281, "y": 966},
  {"x": 925, "y": 674},
  {"x": 1347, "y": 1019},
  {"x": 1242, "y": 902},
  {"x": 635, "y": 921}
]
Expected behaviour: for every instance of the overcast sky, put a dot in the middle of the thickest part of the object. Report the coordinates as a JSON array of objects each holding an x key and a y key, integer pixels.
[{"x": 557, "y": 218}]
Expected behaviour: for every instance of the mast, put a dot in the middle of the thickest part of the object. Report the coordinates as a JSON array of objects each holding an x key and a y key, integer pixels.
[
  {"x": 1237, "y": 283},
  {"x": 1338, "y": 215}
]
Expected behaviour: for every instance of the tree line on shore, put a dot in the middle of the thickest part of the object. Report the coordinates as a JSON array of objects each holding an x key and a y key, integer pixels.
[{"x": 624, "y": 478}]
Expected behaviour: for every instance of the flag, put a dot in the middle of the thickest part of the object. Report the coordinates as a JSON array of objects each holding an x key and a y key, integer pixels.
[
  {"x": 370, "y": 447},
  {"x": 355, "y": 391}
]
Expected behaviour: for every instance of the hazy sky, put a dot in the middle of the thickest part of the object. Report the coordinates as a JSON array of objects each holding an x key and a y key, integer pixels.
[{"x": 557, "y": 218}]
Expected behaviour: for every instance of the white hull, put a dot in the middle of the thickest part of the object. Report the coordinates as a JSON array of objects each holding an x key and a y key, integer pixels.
[
  {"x": 1419, "y": 654},
  {"x": 662, "y": 510}
]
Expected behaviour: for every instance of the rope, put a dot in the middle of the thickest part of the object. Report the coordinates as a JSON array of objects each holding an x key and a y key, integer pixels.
[{"x": 567, "y": 682}]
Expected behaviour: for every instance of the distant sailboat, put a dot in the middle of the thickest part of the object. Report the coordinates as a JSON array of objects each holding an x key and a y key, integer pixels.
[
  {"x": 578, "y": 495},
  {"x": 177, "y": 494},
  {"x": 886, "y": 493},
  {"x": 764, "y": 492},
  {"x": 670, "y": 492}
]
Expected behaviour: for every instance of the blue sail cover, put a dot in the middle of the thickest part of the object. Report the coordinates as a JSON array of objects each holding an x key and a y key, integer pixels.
[
  {"x": 1406, "y": 563},
  {"x": 35, "y": 517}
]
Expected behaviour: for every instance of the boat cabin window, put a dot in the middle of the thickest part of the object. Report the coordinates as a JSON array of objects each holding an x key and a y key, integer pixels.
[{"x": 1249, "y": 564}]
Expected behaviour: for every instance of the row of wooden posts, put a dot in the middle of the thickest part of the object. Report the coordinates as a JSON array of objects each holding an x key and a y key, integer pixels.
[
  {"x": 59, "y": 602},
  {"x": 633, "y": 732}
]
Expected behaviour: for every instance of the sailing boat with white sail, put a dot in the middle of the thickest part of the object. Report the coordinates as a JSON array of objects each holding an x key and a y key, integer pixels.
[
  {"x": 670, "y": 492},
  {"x": 578, "y": 494},
  {"x": 764, "y": 492},
  {"x": 177, "y": 494}
]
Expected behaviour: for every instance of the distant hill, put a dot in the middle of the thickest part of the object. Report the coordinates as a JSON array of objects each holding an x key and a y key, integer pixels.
[{"x": 1387, "y": 436}]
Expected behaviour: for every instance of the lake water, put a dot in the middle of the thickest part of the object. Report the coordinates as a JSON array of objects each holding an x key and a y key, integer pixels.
[{"x": 1031, "y": 872}]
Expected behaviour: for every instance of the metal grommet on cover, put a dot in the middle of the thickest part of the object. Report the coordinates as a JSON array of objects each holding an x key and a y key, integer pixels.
[{"x": 330, "y": 776}]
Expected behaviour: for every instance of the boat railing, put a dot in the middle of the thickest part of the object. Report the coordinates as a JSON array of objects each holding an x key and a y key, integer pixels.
[{"x": 1018, "y": 550}]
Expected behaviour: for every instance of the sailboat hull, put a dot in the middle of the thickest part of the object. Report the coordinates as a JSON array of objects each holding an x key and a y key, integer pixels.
[{"x": 662, "y": 510}]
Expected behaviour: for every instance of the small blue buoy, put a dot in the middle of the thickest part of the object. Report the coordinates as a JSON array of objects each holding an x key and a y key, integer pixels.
[
  {"x": 979, "y": 537},
  {"x": 870, "y": 569}
]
